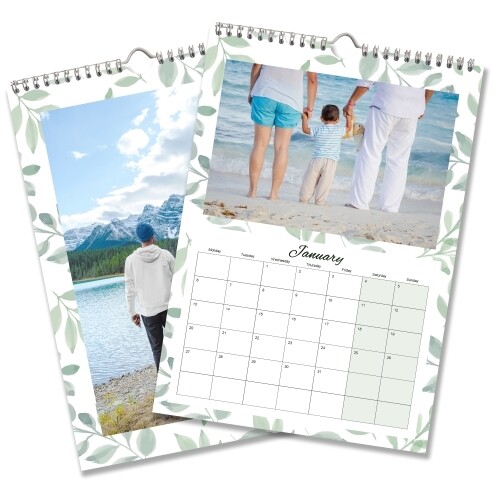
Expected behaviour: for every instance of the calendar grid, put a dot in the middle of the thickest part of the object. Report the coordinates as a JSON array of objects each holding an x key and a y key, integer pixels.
[{"x": 286, "y": 350}]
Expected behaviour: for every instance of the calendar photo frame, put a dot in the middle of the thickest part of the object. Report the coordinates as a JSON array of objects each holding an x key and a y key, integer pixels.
[
  {"x": 210, "y": 229},
  {"x": 30, "y": 108}
]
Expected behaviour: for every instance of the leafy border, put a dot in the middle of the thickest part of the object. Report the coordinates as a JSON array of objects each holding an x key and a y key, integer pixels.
[
  {"x": 407, "y": 74},
  {"x": 27, "y": 108}
]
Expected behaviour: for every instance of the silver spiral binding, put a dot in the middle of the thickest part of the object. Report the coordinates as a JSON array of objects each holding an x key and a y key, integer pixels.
[
  {"x": 108, "y": 67},
  {"x": 312, "y": 41}
]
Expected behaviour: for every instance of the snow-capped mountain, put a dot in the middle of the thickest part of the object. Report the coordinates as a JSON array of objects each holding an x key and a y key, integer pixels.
[{"x": 165, "y": 220}]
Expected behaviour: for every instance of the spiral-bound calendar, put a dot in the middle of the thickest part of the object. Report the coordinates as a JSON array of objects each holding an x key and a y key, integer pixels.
[
  {"x": 259, "y": 231},
  {"x": 319, "y": 236}
]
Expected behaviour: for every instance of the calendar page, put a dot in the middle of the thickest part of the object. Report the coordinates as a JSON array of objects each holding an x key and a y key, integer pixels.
[{"x": 319, "y": 237}]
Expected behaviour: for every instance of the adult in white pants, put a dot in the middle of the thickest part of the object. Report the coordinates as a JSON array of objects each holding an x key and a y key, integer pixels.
[{"x": 391, "y": 122}]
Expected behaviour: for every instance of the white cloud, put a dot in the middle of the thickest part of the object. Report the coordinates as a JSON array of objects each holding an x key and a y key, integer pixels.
[
  {"x": 132, "y": 141},
  {"x": 161, "y": 169},
  {"x": 140, "y": 117},
  {"x": 77, "y": 155}
]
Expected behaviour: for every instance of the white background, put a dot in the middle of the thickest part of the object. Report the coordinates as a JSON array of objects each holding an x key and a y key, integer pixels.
[{"x": 36, "y": 441}]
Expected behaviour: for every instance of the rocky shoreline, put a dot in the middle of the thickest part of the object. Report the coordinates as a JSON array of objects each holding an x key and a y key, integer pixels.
[{"x": 131, "y": 389}]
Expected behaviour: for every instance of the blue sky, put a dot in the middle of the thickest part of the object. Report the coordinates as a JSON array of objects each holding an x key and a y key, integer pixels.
[{"x": 110, "y": 158}]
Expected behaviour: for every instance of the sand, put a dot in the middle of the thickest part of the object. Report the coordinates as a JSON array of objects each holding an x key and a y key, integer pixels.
[{"x": 417, "y": 223}]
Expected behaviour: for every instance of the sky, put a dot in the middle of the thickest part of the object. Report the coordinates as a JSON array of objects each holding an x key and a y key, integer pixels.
[{"x": 110, "y": 158}]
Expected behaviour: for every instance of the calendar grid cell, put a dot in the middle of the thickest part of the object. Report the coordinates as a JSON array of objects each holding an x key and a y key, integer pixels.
[{"x": 351, "y": 379}]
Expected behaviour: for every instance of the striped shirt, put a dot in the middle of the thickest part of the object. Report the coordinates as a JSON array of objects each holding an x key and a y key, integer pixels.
[{"x": 327, "y": 139}]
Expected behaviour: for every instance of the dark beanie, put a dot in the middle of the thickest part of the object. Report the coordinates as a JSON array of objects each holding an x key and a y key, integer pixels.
[{"x": 144, "y": 232}]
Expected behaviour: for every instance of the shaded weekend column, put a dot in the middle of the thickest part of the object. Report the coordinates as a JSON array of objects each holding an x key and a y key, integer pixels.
[
  {"x": 236, "y": 329},
  {"x": 334, "y": 351},
  {"x": 269, "y": 333},
  {"x": 367, "y": 357},
  {"x": 205, "y": 315},
  {"x": 401, "y": 355}
]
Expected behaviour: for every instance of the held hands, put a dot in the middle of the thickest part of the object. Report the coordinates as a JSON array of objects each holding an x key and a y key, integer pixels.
[
  {"x": 136, "y": 319},
  {"x": 308, "y": 113},
  {"x": 347, "y": 110}
]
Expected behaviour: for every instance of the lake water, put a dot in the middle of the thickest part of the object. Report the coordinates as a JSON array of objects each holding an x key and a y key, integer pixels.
[
  {"x": 115, "y": 346},
  {"x": 234, "y": 136}
]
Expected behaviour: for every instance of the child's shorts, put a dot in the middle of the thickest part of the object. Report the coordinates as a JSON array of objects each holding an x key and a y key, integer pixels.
[{"x": 268, "y": 112}]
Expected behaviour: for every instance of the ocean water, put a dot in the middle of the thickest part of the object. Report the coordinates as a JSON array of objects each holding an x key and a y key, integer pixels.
[
  {"x": 234, "y": 136},
  {"x": 115, "y": 346}
]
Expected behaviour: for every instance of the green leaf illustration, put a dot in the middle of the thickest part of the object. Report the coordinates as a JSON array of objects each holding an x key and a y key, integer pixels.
[
  {"x": 87, "y": 419},
  {"x": 433, "y": 79},
  {"x": 277, "y": 425},
  {"x": 44, "y": 109},
  {"x": 72, "y": 412},
  {"x": 109, "y": 94},
  {"x": 448, "y": 88},
  {"x": 327, "y": 59},
  {"x": 357, "y": 433},
  {"x": 187, "y": 77},
  {"x": 220, "y": 221},
  {"x": 368, "y": 66},
  {"x": 412, "y": 68},
  {"x": 71, "y": 334},
  {"x": 125, "y": 460},
  {"x": 175, "y": 407},
  {"x": 185, "y": 443},
  {"x": 31, "y": 169},
  {"x": 31, "y": 134},
  {"x": 35, "y": 95},
  {"x": 461, "y": 184},
  {"x": 261, "y": 423},
  {"x": 295, "y": 232},
  {"x": 161, "y": 390},
  {"x": 464, "y": 143},
  {"x": 384, "y": 77},
  {"x": 102, "y": 454},
  {"x": 306, "y": 234},
  {"x": 234, "y": 41},
  {"x": 217, "y": 78},
  {"x": 435, "y": 347},
  {"x": 69, "y": 388},
  {"x": 203, "y": 439},
  {"x": 204, "y": 163},
  {"x": 127, "y": 81},
  {"x": 17, "y": 118},
  {"x": 59, "y": 256},
  {"x": 55, "y": 317},
  {"x": 180, "y": 258},
  {"x": 32, "y": 212},
  {"x": 146, "y": 442},
  {"x": 199, "y": 127},
  {"x": 30, "y": 188},
  {"x": 394, "y": 441},
  {"x": 170, "y": 362},
  {"x": 374, "y": 248},
  {"x": 201, "y": 62},
  {"x": 48, "y": 220},
  {"x": 167, "y": 72},
  {"x": 253, "y": 433},
  {"x": 320, "y": 238},
  {"x": 221, "y": 415},
  {"x": 69, "y": 295},
  {"x": 419, "y": 445},
  {"x": 472, "y": 104},
  {"x": 174, "y": 312},
  {"x": 328, "y": 435},
  {"x": 70, "y": 369},
  {"x": 431, "y": 385},
  {"x": 206, "y": 110},
  {"x": 442, "y": 306},
  {"x": 211, "y": 56},
  {"x": 43, "y": 247},
  {"x": 448, "y": 220},
  {"x": 82, "y": 447},
  {"x": 305, "y": 66}
]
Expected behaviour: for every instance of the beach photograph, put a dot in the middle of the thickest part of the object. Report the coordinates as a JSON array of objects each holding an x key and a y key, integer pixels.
[
  {"x": 119, "y": 169},
  {"x": 331, "y": 154}
]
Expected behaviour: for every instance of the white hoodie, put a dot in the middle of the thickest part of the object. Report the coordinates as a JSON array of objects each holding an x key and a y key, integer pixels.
[{"x": 148, "y": 276}]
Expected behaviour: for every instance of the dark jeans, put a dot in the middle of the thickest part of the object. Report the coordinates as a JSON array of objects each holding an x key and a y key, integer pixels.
[{"x": 154, "y": 328}]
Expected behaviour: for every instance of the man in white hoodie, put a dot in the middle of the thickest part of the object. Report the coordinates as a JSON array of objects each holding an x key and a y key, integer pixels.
[{"x": 148, "y": 276}]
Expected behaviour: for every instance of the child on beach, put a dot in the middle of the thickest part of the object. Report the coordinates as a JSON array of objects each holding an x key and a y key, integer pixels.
[{"x": 327, "y": 137}]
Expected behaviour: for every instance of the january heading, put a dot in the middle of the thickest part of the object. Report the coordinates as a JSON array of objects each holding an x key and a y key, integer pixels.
[{"x": 303, "y": 252}]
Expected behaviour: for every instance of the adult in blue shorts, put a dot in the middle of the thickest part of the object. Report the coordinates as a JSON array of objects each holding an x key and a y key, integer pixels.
[{"x": 276, "y": 96}]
